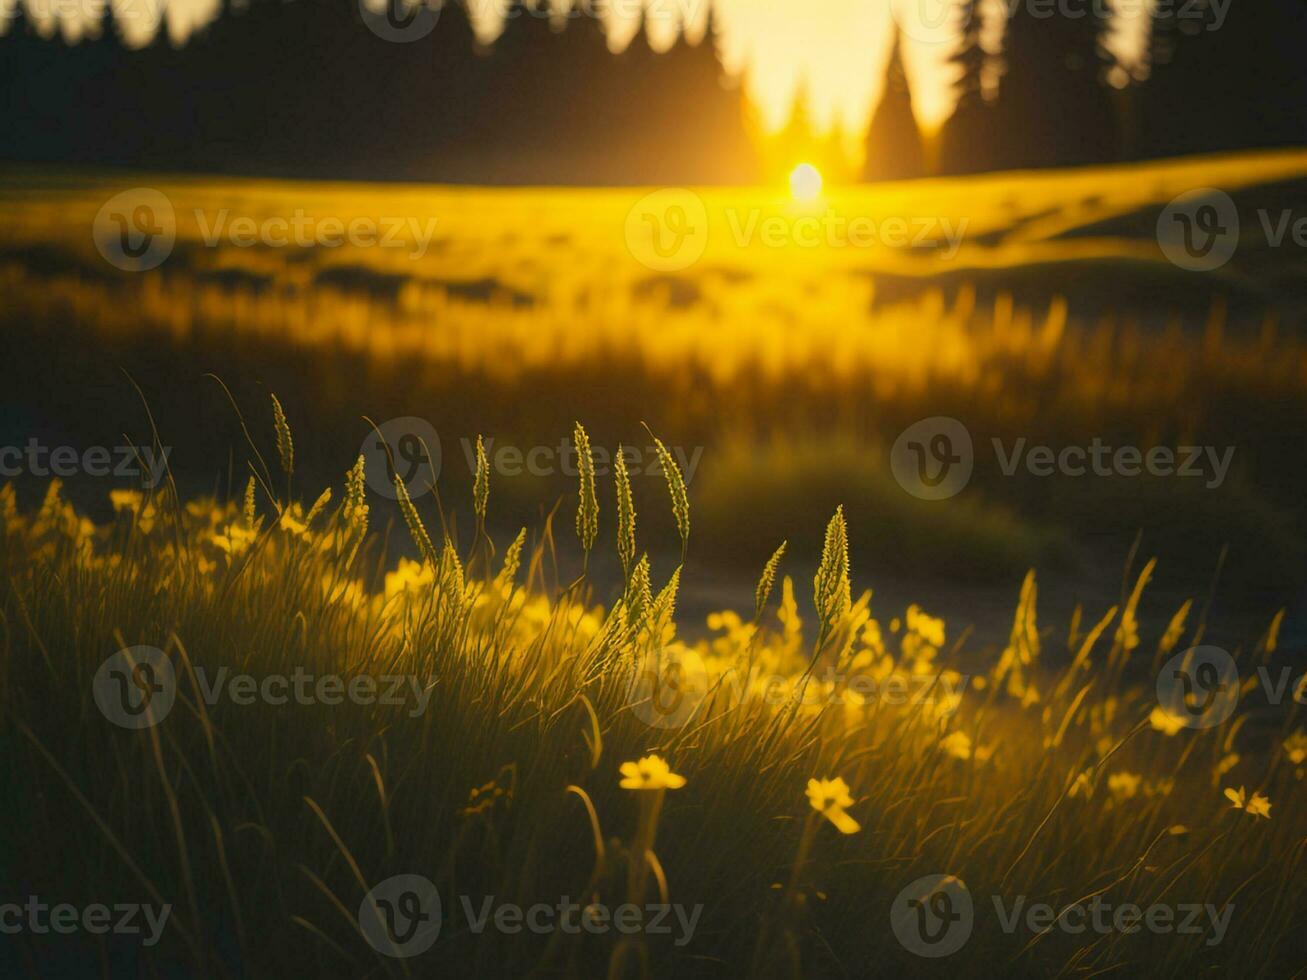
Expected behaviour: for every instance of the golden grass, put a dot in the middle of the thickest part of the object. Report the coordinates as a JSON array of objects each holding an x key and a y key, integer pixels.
[{"x": 1042, "y": 769}]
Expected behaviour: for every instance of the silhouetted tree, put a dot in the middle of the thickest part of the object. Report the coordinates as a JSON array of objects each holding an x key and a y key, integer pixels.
[
  {"x": 966, "y": 140},
  {"x": 894, "y": 150},
  {"x": 1216, "y": 85},
  {"x": 1053, "y": 107}
]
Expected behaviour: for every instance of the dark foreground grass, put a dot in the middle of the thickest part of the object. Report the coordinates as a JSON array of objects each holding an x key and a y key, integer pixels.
[{"x": 263, "y": 826}]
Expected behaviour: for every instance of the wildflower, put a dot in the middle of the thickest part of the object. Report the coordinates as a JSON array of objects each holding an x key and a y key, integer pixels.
[
  {"x": 409, "y": 576},
  {"x": 128, "y": 500},
  {"x": 1124, "y": 785},
  {"x": 829, "y": 797},
  {"x": 134, "y": 502},
  {"x": 1164, "y": 721},
  {"x": 957, "y": 744},
  {"x": 293, "y": 521},
  {"x": 1258, "y": 806},
  {"x": 1296, "y": 747},
  {"x": 235, "y": 539},
  {"x": 651, "y": 772}
]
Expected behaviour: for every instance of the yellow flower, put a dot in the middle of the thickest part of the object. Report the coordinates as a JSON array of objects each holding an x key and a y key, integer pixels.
[
  {"x": 409, "y": 576},
  {"x": 1163, "y": 721},
  {"x": 134, "y": 502},
  {"x": 651, "y": 772},
  {"x": 1258, "y": 806},
  {"x": 1296, "y": 747},
  {"x": 128, "y": 500},
  {"x": 293, "y": 522},
  {"x": 235, "y": 539},
  {"x": 957, "y": 744},
  {"x": 829, "y": 797},
  {"x": 1124, "y": 785}
]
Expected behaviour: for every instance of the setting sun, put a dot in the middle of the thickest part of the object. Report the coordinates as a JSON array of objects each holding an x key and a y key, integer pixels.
[{"x": 805, "y": 182}]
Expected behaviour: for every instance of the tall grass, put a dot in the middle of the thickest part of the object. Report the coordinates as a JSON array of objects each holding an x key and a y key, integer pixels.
[{"x": 265, "y": 825}]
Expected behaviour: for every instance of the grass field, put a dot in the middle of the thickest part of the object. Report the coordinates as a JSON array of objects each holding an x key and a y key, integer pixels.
[
  {"x": 1045, "y": 310},
  {"x": 264, "y": 826},
  {"x": 642, "y": 699}
]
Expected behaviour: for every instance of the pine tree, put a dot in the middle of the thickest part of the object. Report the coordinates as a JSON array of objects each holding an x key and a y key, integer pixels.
[
  {"x": 966, "y": 141},
  {"x": 1053, "y": 107},
  {"x": 894, "y": 148}
]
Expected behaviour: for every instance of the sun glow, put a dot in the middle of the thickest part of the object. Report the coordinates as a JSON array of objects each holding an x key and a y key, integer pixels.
[{"x": 805, "y": 183}]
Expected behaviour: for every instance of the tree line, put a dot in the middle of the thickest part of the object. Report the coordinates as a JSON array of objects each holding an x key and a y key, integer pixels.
[{"x": 307, "y": 89}]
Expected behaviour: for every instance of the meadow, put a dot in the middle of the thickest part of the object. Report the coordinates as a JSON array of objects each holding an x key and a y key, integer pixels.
[
  {"x": 1036, "y": 307},
  {"x": 812, "y": 776},
  {"x": 256, "y": 691}
]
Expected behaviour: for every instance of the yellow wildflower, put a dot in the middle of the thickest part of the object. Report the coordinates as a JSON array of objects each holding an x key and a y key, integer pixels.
[
  {"x": 1164, "y": 721},
  {"x": 1296, "y": 747},
  {"x": 1124, "y": 785},
  {"x": 829, "y": 797},
  {"x": 1258, "y": 806},
  {"x": 957, "y": 744},
  {"x": 651, "y": 772}
]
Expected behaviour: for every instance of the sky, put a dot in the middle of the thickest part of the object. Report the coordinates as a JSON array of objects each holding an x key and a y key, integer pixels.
[{"x": 835, "y": 50}]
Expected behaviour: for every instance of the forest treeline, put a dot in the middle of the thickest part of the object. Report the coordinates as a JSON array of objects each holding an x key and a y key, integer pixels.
[{"x": 305, "y": 88}]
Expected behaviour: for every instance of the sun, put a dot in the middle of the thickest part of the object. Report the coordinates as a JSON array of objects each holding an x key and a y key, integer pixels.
[{"x": 805, "y": 182}]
